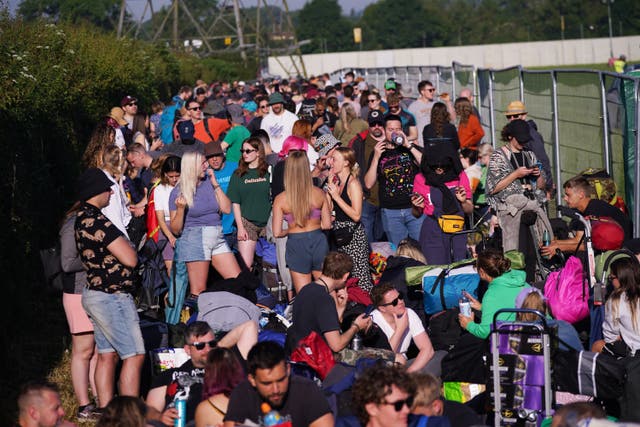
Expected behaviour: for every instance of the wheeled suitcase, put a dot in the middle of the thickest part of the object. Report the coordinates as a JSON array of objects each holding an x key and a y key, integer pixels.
[{"x": 521, "y": 370}]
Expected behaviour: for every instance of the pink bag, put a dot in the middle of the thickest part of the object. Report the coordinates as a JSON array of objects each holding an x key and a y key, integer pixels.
[{"x": 567, "y": 292}]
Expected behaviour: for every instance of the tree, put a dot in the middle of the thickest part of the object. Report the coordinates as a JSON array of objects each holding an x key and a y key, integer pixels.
[
  {"x": 99, "y": 13},
  {"x": 321, "y": 21}
]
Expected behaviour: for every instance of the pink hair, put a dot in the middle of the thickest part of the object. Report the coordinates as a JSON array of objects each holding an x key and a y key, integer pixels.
[{"x": 293, "y": 143}]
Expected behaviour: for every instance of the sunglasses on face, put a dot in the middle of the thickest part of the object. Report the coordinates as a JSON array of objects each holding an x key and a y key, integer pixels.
[
  {"x": 371, "y": 100},
  {"x": 194, "y": 108},
  {"x": 132, "y": 104},
  {"x": 393, "y": 303},
  {"x": 394, "y": 107},
  {"x": 431, "y": 90},
  {"x": 264, "y": 106},
  {"x": 201, "y": 345},
  {"x": 247, "y": 151},
  {"x": 400, "y": 403},
  {"x": 612, "y": 277},
  {"x": 513, "y": 116}
]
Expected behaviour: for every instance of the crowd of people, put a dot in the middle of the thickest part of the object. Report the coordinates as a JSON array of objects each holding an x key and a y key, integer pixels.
[{"x": 321, "y": 171}]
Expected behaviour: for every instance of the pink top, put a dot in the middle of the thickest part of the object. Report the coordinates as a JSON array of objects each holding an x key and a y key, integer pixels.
[{"x": 420, "y": 187}]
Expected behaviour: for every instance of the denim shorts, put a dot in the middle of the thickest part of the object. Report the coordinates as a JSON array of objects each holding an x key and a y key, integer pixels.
[
  {"x": 115, "y": 321},
  {"x": 201, "y": 243},
  {"x": 305, "y": 251}
]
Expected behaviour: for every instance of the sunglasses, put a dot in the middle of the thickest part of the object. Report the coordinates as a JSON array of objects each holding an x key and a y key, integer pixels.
[
  {"x": 400, "y": 403},
  {"x": 132, "y": 103},
  {"x": 247, "y": 151},
  {"x": 194, "y": 108},
  {"x": 200, "y": 345},
  {"x": 431, "y": 90},
  {"x": 394, "y": 303},
  {"x": 394, "y": 107},
  {"x": 513, "y": 116},
  {"x": 264, "y": 106},
  {"x": 371, "y": 100}
]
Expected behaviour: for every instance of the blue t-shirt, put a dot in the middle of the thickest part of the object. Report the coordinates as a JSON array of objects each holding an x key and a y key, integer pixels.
[
  {"x": 224, "y": 176},
  {"x": 205, "y": 209}
]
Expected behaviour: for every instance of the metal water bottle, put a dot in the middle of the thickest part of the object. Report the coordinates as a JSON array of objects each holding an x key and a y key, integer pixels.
[
  {"x": 546, "y": 238},
  {"x": 356, "y": 342},
  {"x": 181, "y": 407}
]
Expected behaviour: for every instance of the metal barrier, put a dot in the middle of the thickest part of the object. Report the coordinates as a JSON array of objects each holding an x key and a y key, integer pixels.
[{"x": 587, "y": 118}]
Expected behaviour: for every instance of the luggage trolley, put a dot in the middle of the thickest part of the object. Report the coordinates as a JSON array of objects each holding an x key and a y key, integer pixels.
[{"x": 521, "y": 370}]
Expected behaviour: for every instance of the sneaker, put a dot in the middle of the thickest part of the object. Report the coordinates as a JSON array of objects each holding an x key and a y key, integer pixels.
[{"x": 89, "y": 412}]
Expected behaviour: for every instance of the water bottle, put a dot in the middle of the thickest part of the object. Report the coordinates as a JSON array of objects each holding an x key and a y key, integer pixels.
[
  {"x": 181, "y": 407},
  {"x": 465, "y": 305},
  {"x": 356, "y": 342},
  {"x": 546, "y": 238},
  {"x": 270, "y": 417}
]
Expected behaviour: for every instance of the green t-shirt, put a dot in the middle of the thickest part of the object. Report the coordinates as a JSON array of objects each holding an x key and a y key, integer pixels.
[
  {"x": 235, "y": 137},
  {"x": 251, "y": 192}
]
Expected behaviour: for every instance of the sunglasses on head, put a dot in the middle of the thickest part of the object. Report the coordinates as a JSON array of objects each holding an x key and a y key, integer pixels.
[
  {"x": 394, "y": 303},
  {"x": 200, "y": 345},
  {"x": 397, "y": 405},
  {"x": 513, "y": 116},
  {"x": 247, "y": 151},
  {"x": 194, "y": 108}
]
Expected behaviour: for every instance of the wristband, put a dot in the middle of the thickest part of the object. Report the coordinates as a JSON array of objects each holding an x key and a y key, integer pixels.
[{"x": 357, "y": 327}]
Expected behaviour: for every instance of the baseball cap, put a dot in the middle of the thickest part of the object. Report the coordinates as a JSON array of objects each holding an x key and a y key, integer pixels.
[
  {"x": 390, "y": 85},
  {"x": 186, "y": 130},
  {"x": 127, "y": 99},
  {"x": 375, "y": 117}
]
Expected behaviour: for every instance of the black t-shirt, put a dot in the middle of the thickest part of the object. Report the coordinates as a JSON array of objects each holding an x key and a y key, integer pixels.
[
  {"x": 313, "y": 310},
  {"x": 396, "y": 171},
  {"x": 185, "y": 381},
  {"x": 600, "y": 208},
  {"x": 94, "y": 232},
  {"x": 304, "y": 402}
]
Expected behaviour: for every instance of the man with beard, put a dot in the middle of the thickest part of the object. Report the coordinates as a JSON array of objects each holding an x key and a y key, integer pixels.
[
  {"x": 278, "y": 123},
  {"x": 270, "y": 381},
  {"x": 363, "y": 145}
]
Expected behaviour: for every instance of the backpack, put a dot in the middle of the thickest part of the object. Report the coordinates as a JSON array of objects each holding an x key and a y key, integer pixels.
[
  {"x": 444, "y": 329},
  {"x": 153, "y": 280},
  {"x": 567, "y": 292}
]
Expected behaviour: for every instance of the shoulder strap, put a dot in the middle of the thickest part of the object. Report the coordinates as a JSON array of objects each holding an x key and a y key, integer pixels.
[{"x": 206, "y": 128}]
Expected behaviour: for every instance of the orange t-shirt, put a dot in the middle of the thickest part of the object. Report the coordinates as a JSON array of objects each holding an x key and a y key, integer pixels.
[{"x": 216, "y": 127}]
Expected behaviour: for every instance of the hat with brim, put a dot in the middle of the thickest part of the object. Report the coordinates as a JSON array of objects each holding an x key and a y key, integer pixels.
[
  {"x": 519, "y": 129},
  {"x": 92, "y": 182},
  {"x": 235, "y": 111},
  {"x": 515, "y": 107},
  {"x": 212, "y": 149},
  {"x": 276, "y": 98},
  {"x": 117, "y": 114},
  {"x": 325, "y": 143}
]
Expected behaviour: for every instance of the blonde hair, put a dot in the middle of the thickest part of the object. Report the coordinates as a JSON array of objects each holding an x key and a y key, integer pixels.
[
  {"x": 428, "y": 389},
  {"x": 298, "y": 186},
  {"x": 347, "y": 115},
  {"x": 349, "y": 155},
  {"x": 190, "y": 170},
  {"x": 113, "y": 161},
  {"x": 411, "y": 249},
  {"x": 533, "y": 301}
]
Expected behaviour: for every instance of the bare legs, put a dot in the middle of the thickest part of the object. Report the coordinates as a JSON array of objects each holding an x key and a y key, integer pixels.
[
  {"x": 83, "y": 364},
  {"x": 198, "y": 271}
]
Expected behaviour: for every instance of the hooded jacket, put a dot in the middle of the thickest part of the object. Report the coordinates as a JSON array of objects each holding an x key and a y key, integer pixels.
[{"x": 502, "y": 293}]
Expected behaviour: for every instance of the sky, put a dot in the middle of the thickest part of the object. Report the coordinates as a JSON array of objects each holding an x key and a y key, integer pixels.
[{"x": 137, "y": 6}]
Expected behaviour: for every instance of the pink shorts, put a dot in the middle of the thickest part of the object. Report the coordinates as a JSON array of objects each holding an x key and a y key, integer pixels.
[{"x": 76, "y": 316}]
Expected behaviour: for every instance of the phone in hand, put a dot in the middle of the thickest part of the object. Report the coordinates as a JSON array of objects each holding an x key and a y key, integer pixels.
[{"x": 368, "y": 311}]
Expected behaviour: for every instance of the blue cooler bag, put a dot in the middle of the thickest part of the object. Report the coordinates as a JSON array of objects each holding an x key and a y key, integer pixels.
[{"x": 442, "y": 285}]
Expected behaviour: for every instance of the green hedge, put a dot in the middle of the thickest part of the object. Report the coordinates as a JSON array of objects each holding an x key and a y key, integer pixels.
[{"x": 56, "y": 82}]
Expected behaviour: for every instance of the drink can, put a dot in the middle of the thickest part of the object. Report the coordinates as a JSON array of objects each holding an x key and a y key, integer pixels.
[{"x": 181, "y": 407}]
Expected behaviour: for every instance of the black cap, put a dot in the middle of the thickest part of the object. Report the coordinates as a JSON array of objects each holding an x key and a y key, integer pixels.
[
  {"x": 375, "y": 117},
  {"x": 91, "y": 183}
]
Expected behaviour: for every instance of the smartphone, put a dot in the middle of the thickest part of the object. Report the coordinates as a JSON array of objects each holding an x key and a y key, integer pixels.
[{"x": 369, "y": 309}]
